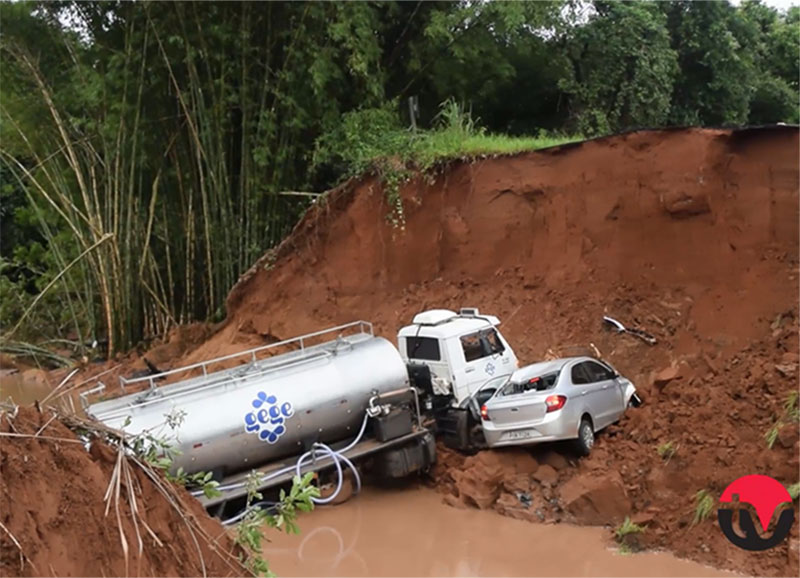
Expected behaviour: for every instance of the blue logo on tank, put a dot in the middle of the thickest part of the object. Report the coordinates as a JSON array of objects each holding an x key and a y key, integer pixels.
[{"x": 268, "y": 417}]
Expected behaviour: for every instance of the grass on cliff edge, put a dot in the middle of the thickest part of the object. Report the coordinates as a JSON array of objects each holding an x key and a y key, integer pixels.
[{"x": 376, "y": 139}]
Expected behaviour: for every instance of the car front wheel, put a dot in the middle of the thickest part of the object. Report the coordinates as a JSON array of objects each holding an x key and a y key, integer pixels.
[{"x": 585, "y": 440}]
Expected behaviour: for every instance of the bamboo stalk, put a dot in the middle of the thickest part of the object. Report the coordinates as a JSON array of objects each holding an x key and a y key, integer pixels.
[{"x": 44, "y": 291}]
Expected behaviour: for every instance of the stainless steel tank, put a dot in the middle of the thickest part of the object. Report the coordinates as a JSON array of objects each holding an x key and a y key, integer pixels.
[{"x": 241, "y": 418}]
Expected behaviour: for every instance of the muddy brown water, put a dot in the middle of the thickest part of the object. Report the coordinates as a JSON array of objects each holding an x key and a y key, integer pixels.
[
  {"x": 22, "y": 391},
  {"x": 410, "y": 532},
  {"x": 26, "y": 388}
]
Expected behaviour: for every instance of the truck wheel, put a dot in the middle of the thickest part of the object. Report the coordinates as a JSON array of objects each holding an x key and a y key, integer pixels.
[{"x": 585, "y": 440}]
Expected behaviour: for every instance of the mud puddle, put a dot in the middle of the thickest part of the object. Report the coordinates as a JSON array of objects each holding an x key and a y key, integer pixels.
[
  {"x": 22, "y": 391},
  {"x": 23, "y": 388},
  {"x": 410, "y": 532}
]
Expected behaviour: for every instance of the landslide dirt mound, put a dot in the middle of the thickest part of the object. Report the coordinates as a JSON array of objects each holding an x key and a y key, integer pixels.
[
  {"x": 54, "y": 518},
  {"x": 691, "y": 235}
]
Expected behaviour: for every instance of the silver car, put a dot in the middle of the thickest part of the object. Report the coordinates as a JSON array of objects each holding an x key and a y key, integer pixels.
[{"x": 563, "y": 399}]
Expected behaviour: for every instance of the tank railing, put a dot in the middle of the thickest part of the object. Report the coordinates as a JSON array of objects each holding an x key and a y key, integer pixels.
[
  {"x": 364, "y": 327},
  {"x": 148, "y": 398}
]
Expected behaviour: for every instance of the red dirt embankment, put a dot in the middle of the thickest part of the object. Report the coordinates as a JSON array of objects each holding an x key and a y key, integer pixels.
[
  {"x": 54, "y": 520},
  {"x": 689, "y": 234}
]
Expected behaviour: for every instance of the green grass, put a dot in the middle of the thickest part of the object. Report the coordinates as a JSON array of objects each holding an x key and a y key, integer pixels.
[
  {"x": 626, "y": 535},
  {"x": 376, "y": 141},
  {"x": 792, "y": 406},
  {"x": 627, "y": 528},
  {"x": 442, "y": 145},
  {"x": 794, "y": 491},
  {"x": 667, "y": 450},
  {"x": 704, "y": 505},
  {"x": 771, "y": 436},
  {"x": 791, "y": 413}
]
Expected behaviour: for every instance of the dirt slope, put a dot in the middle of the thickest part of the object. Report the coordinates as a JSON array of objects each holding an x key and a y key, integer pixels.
[
  {"x": 54, "y": 517},
  {"x": 689, "y": 234},
  {"x": 702, "y": 223}
]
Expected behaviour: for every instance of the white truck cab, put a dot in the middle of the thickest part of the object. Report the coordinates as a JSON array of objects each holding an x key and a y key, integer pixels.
[{"x": 463, "y": 350}]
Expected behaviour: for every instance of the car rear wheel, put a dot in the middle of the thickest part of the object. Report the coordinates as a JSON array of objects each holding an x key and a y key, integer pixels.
[{"x": 585, "y": 441}]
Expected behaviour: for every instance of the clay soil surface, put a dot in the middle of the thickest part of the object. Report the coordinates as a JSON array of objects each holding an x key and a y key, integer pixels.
[
  {"x": 55, "y": 523},
  {"x": 691, "y": 235}
]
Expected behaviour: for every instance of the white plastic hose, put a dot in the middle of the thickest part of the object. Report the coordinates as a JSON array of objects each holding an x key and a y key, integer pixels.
[{"x": 318, "y": 451}]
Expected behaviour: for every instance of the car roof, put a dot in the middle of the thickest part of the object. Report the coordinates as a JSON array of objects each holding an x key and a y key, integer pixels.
[{"x": 545, "y": 367}]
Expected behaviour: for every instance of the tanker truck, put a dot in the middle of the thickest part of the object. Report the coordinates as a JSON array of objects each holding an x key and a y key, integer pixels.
[{"x": 319, "y": 402}]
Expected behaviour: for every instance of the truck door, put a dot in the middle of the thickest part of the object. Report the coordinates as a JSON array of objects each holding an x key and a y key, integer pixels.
[
  {"x": 483, "y": 359},
  {"x": 428, "y": 351}
]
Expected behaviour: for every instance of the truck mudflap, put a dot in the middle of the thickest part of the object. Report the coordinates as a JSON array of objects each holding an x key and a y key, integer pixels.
[{"x": 402, "y": 461}]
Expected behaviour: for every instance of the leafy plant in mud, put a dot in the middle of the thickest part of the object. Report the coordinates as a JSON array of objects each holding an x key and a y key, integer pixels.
[
  {"x": 626, "y": 535},
  {"x": 667, "y": 450},
  {"x": 794, "y": 491},
  {"x": 791, "y": 414},
  {"x": 704, "y": 505},
  {"x": 281, "y": 515},
  {"x": 199, "y": 480}
]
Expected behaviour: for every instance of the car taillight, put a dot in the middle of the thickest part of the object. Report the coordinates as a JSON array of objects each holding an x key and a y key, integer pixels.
[
  {"x": 484, "y": 413},
  {"x": 555, "y": 402}
]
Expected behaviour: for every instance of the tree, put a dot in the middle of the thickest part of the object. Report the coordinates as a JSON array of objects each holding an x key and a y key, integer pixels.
[
  {"x": 716, "y": 56},
  {"x": 775, "y": 42},
  {"x": 623, "y": 68}
]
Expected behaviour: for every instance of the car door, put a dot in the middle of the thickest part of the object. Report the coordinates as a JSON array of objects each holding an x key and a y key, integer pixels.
[
  {"x": 607, "y": 397},
  {"x": 589, "y": 392},
  {"x": 619, "y": 401}
]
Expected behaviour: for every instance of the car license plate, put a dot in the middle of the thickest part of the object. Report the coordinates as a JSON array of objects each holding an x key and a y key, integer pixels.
[{"x": 521, "y": 434}]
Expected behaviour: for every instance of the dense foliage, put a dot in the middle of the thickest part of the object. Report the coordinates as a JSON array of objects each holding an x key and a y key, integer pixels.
[{"x": 151, "y": 151}]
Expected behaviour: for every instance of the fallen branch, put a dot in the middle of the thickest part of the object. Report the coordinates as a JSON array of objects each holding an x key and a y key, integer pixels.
[
  {"x": 60, "y": 385},
  {"x": 41, "y": 429},
  {"x": 31, "y": 436},
  {"x": 298, "y": 194}
]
